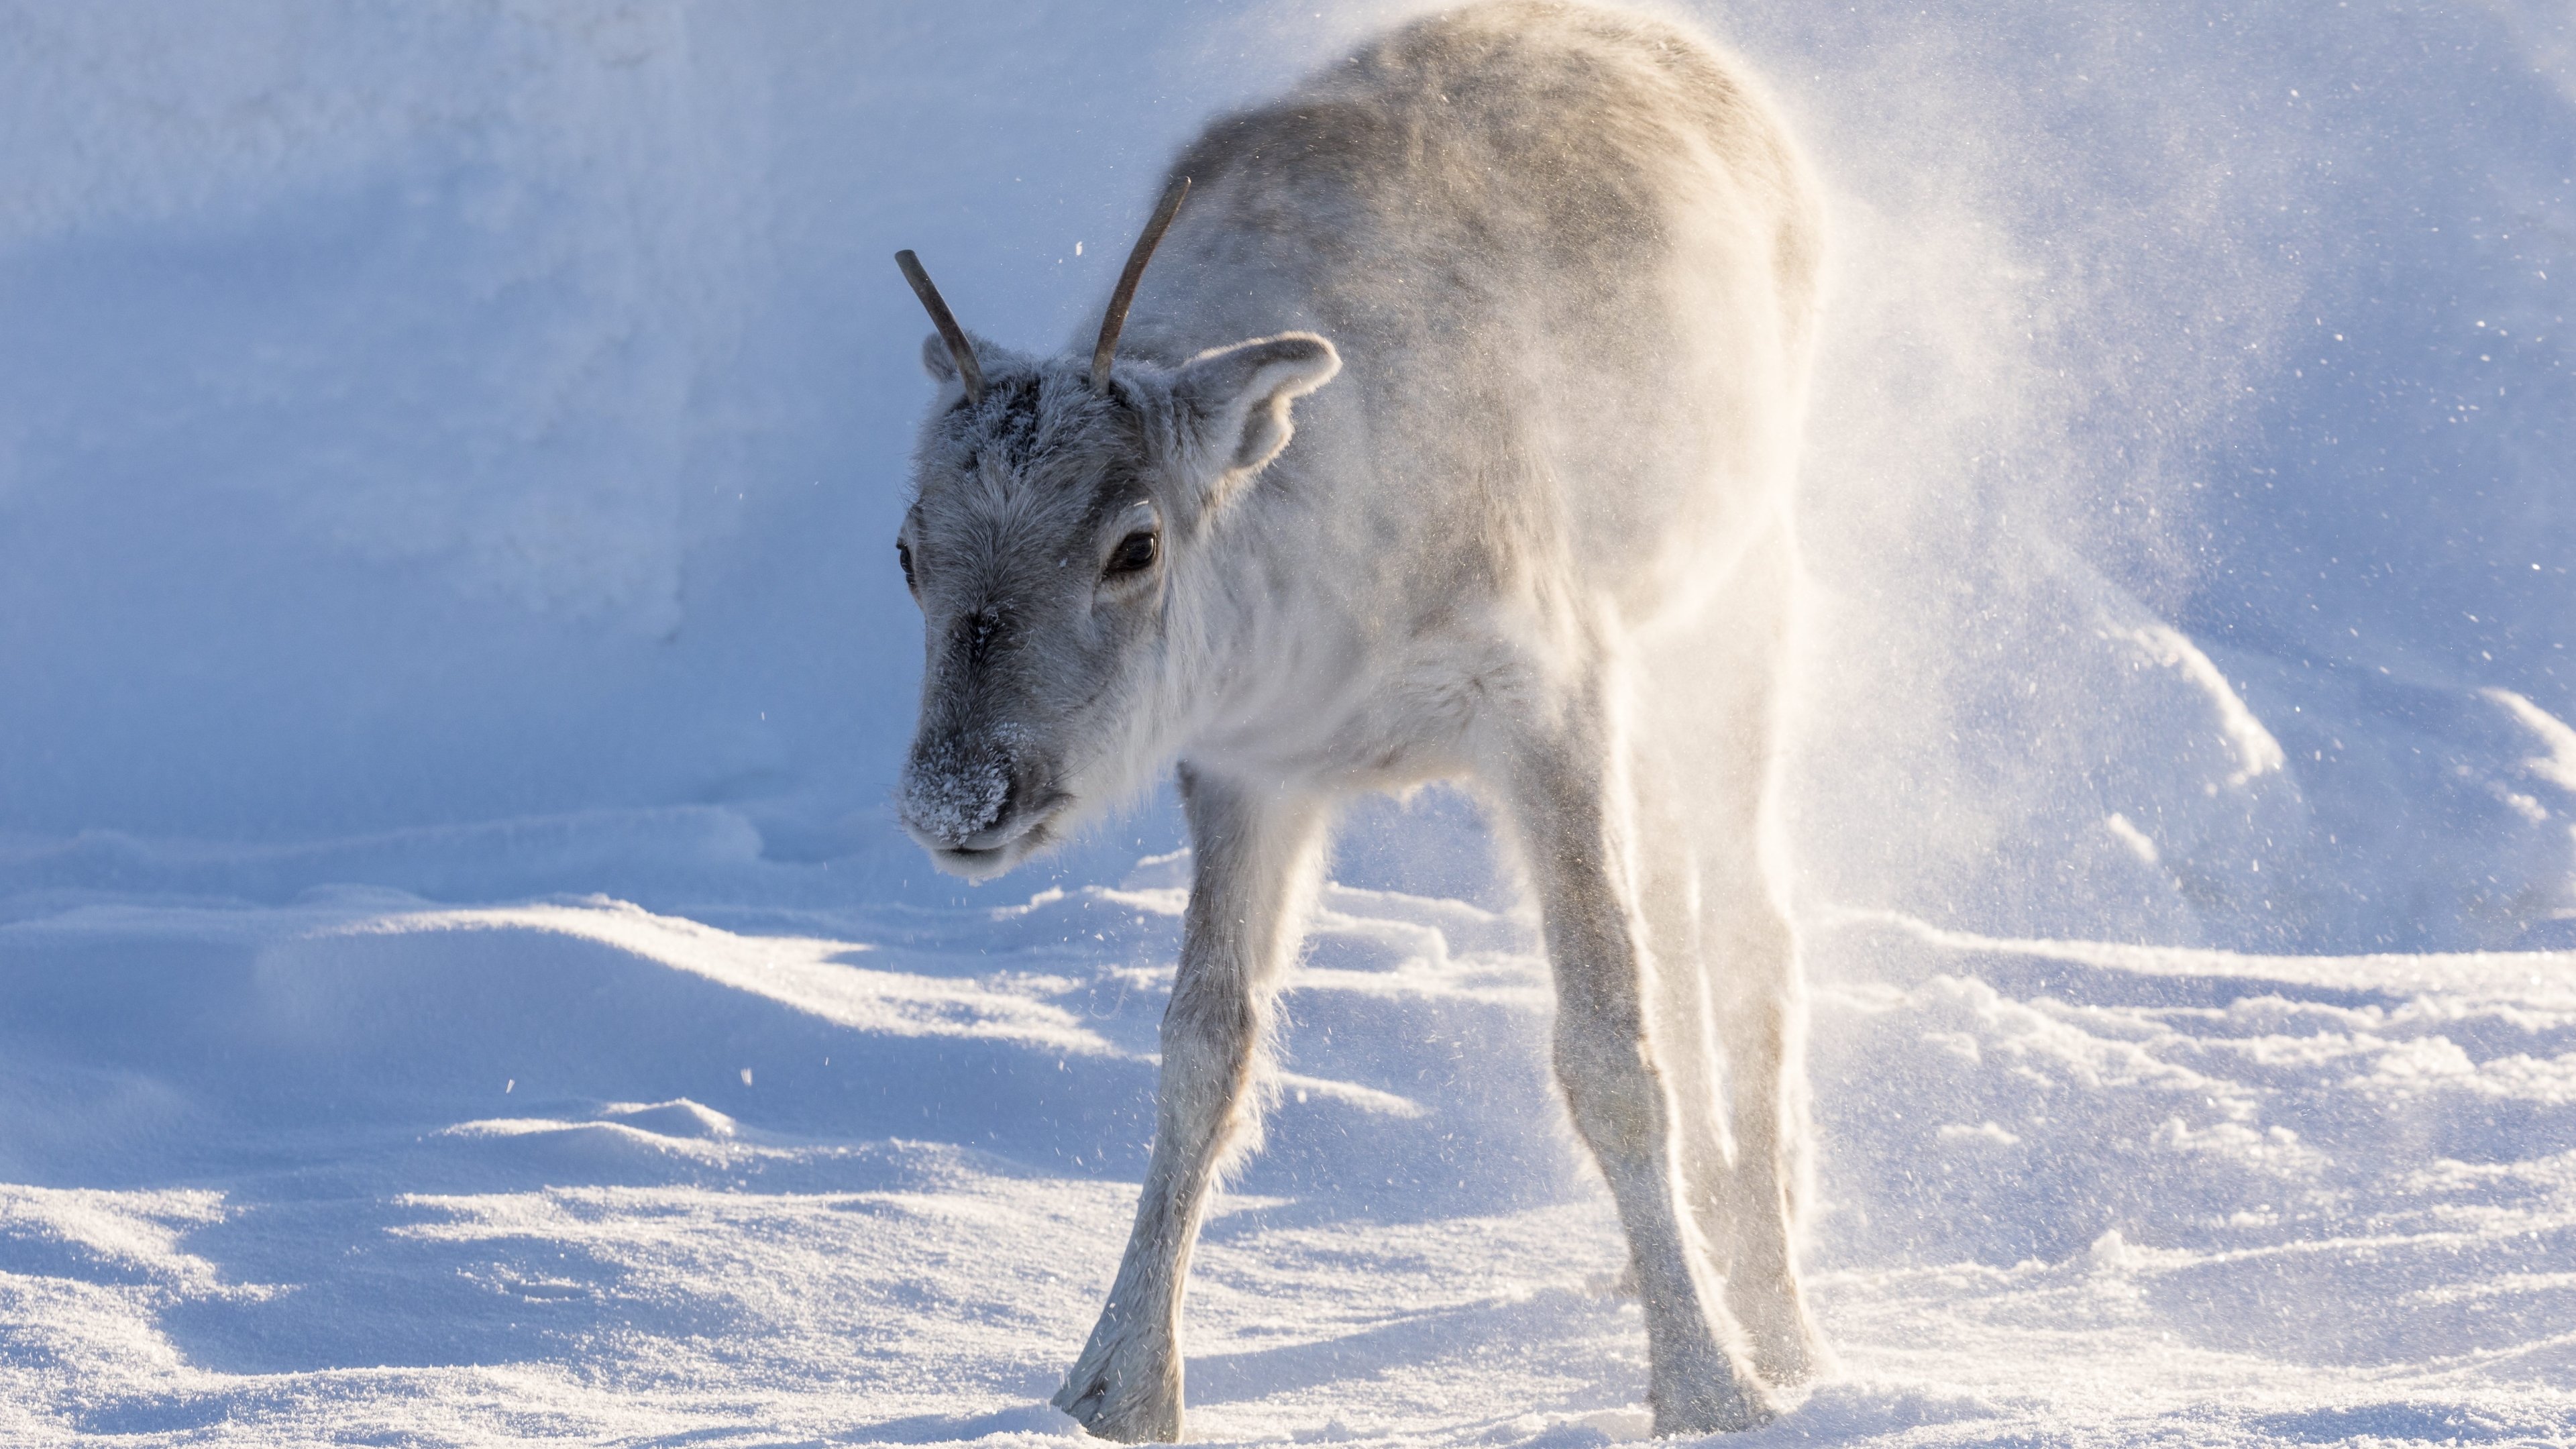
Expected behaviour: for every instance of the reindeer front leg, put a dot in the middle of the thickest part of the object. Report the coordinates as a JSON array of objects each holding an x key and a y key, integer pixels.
[{"x": 1258, "y": 855}]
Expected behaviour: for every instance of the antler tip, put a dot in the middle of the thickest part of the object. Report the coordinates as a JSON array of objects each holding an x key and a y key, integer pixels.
[{"x": 1115, "y": 319}]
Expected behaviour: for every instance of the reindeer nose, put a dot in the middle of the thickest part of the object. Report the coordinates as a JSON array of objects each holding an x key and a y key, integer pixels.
[{"x": 953, "y": 792}]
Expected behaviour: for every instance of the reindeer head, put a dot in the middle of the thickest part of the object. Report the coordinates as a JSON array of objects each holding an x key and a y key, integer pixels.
[{"x": 1055, "y": 502}]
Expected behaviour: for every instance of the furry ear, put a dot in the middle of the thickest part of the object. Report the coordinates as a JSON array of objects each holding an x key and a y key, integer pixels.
[
  {"x": 936, "y": 361},
  {"x": 1237, "y": 397}
]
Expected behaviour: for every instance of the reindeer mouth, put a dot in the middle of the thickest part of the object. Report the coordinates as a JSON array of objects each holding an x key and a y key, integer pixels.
[{"x": 998, "y": 847}]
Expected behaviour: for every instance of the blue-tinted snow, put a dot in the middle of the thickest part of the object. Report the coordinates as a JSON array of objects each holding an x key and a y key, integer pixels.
[{"x": 459, "y": 982}]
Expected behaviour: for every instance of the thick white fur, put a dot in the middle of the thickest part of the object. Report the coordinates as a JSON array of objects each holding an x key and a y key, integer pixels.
[{"x": 1535, "y": 536}]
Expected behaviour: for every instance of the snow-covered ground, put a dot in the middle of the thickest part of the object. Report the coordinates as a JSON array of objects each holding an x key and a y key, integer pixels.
[
  {"x": 364, "y": 1169},
  {"x": 459, "y": 983}
]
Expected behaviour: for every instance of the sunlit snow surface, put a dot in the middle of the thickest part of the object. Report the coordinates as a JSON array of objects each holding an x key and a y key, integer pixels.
[
  {"x": 460, "y": 982},
  {"x": 362, "y": 1169}
]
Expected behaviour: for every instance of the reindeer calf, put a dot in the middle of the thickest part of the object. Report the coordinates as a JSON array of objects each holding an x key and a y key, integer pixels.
[{"x": 1558, "y": 265}]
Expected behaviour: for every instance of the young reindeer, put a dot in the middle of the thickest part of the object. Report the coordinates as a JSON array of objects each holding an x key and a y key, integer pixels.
[{"x": 1558, "y": 264}]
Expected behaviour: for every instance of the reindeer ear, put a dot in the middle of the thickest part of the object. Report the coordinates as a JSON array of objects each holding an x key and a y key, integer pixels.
[
  {"x": 1236, "y": 398},
  {"x": 936, "y": 361}
]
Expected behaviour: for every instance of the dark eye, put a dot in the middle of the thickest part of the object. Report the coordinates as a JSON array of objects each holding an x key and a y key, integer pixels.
[
  {"x": 903, "y": 556},
  {"x": 1133, "y": 555}
]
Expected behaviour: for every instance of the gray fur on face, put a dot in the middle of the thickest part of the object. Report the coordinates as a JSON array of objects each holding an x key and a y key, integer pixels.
[{"x": 1044, "y": 618}]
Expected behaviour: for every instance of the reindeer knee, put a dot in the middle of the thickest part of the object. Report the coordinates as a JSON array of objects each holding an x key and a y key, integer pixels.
[
  {"x": 1609, "y": 1086},
  {"x": 1211, "y": 1036},
  {"x": 1209, "y": 1028}
]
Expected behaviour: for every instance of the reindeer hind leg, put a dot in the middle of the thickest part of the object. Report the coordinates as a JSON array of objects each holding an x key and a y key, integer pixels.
[{"x": 1579, "y": 839}]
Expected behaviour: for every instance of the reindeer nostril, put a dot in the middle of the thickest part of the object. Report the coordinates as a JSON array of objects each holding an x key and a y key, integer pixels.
[{"x": 953, "y": 794}]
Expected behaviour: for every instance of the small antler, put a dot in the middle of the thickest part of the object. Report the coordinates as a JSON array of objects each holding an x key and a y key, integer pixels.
[
  {"x": 946, "y": 322},
  {"x": 1120, "y": 300}
]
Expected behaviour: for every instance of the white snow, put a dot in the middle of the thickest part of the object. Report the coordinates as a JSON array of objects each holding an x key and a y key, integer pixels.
[
  {"x": 461, "y": 981},
  {"x": 2558, "y": 764},
  {"x": 2257, "y": 753},
  {"x": 483, "y": 1175}
]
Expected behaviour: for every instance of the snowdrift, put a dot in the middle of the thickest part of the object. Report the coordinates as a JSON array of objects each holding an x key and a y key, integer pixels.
[
  {"x": 459, "y": 982},
  {"x": 365, "y": 1165},
  {"x": 426, "y": 420}
]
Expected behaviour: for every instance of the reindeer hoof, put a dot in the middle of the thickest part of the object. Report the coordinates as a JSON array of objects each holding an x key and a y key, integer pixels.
[
  {"x": 1705, "y": 1393},
  {"x": 1130, "y": 1408},
  {"x": 1786, "y": 1360},
  {"x": 1721, "y": 1411},
  {"x": 1778, "y": 1336}
]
